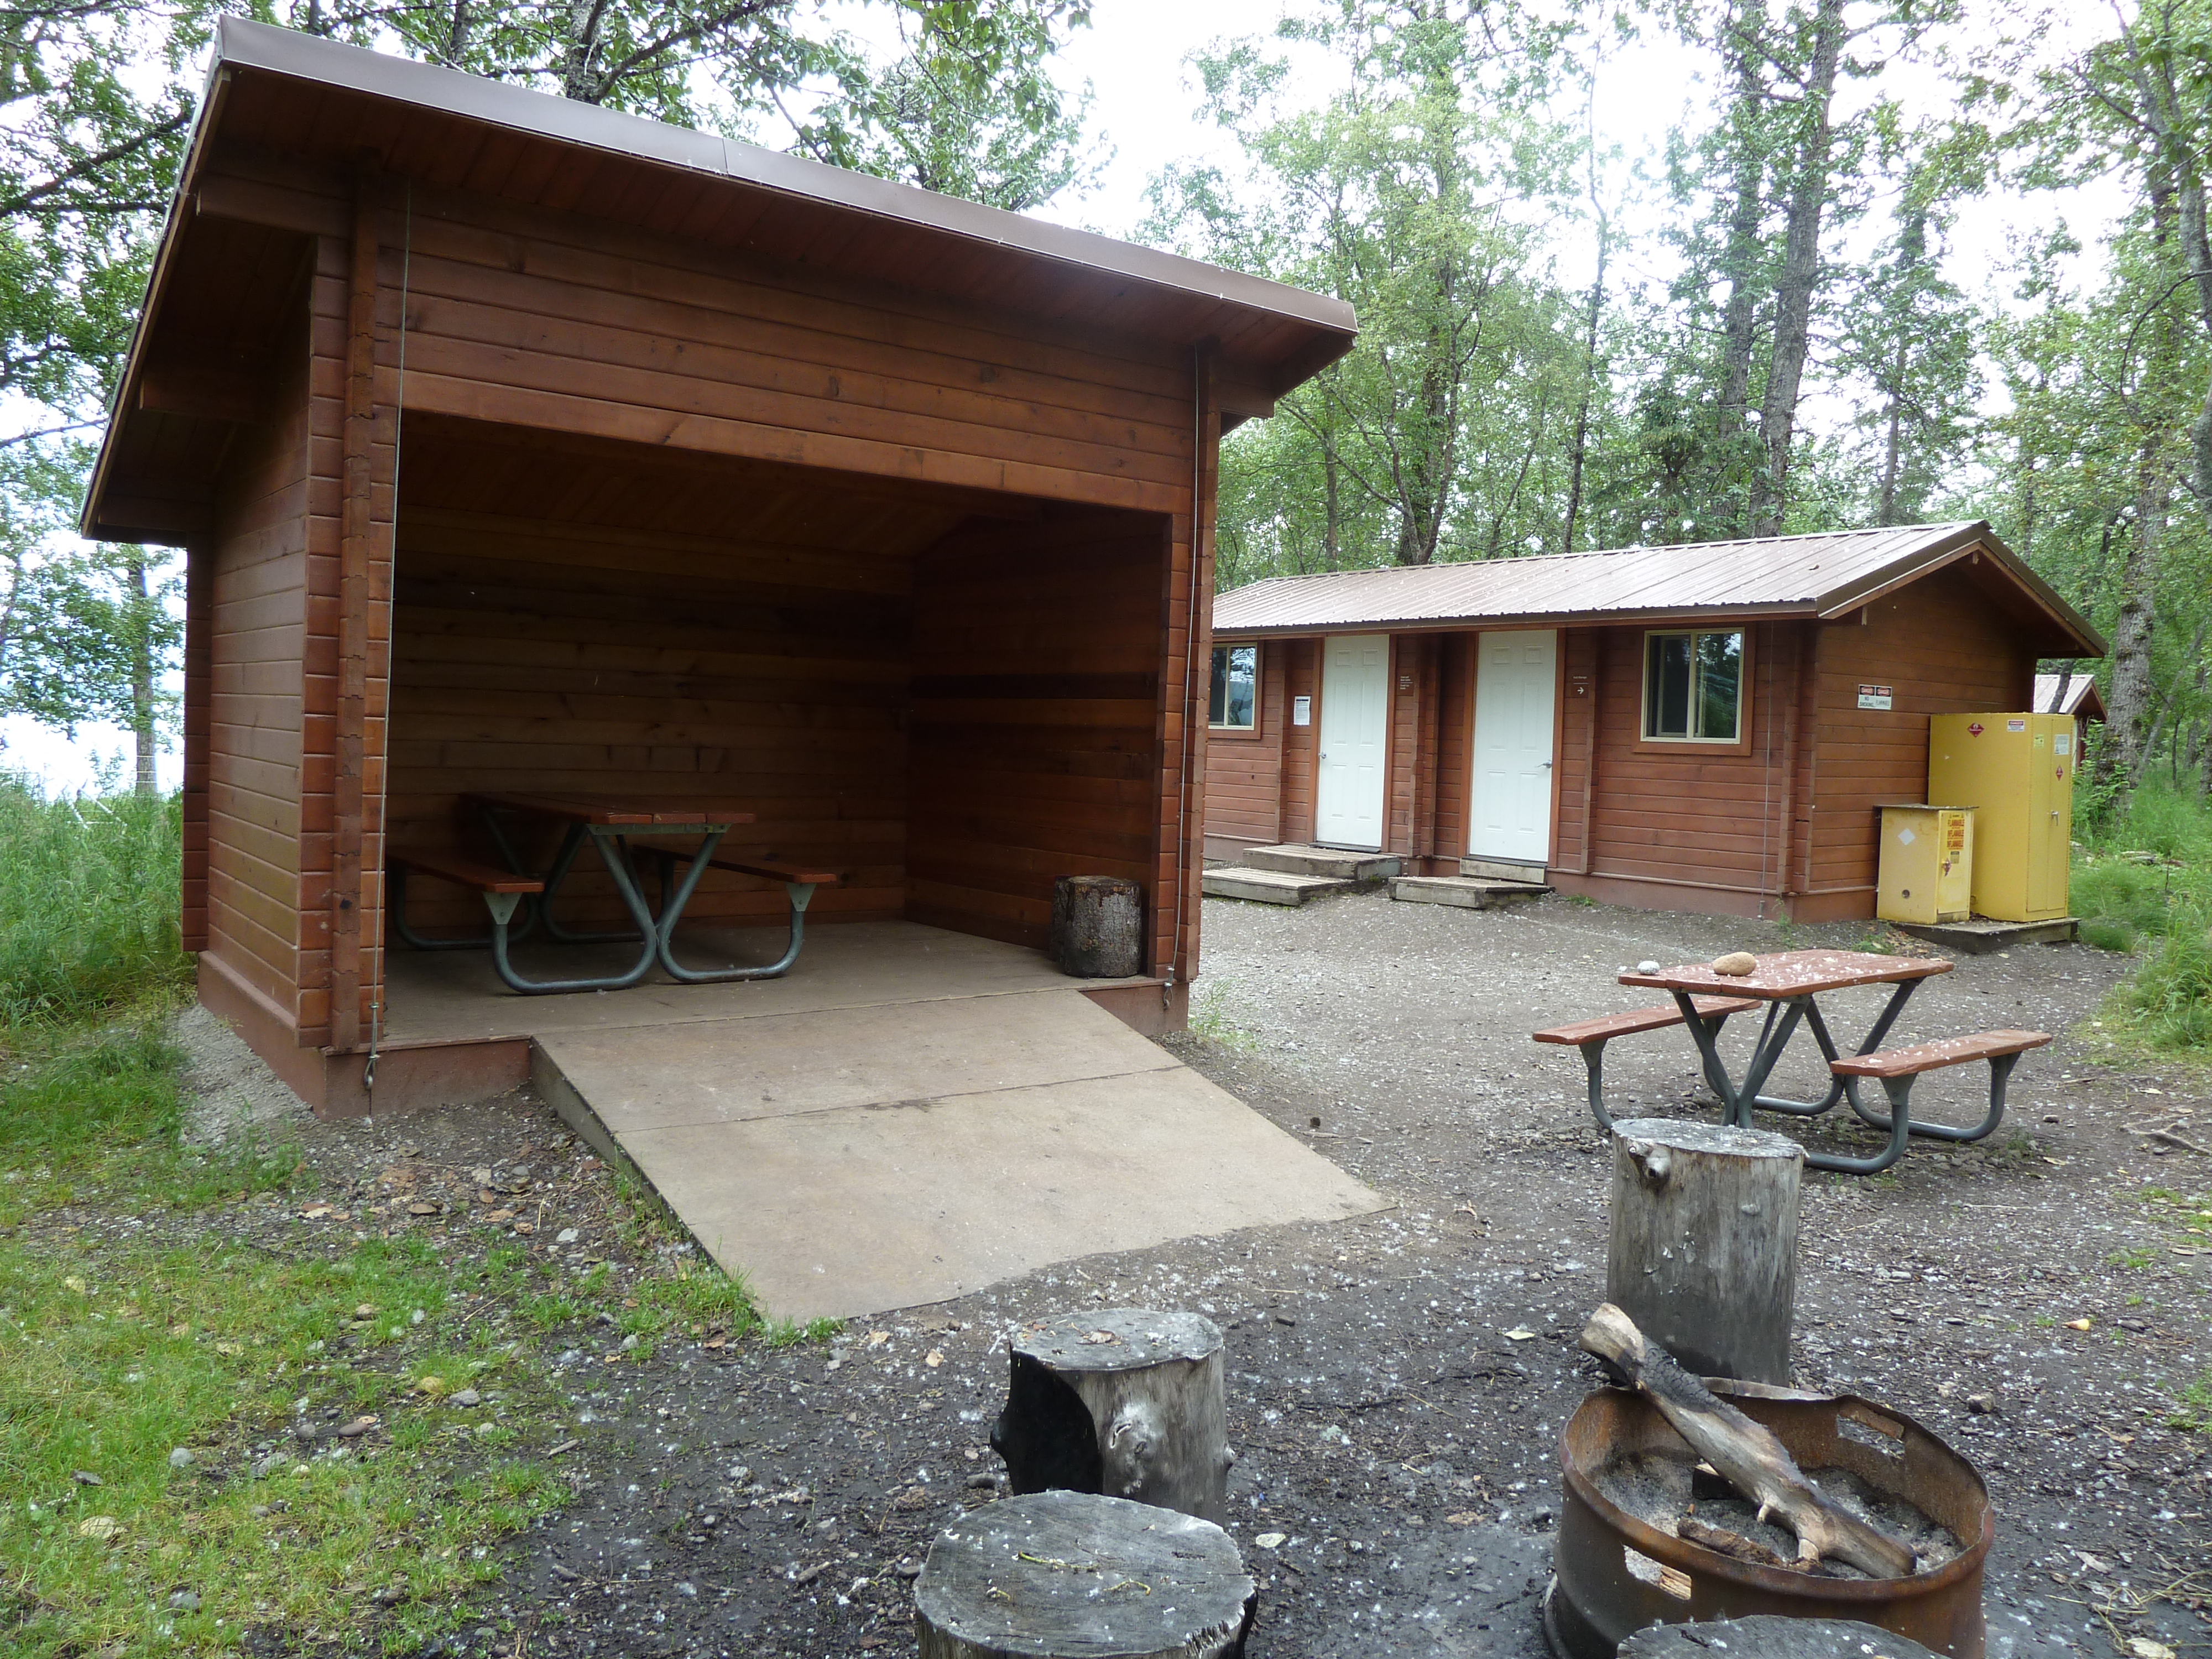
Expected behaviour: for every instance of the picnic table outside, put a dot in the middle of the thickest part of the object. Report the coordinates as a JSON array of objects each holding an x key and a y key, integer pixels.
[{"x": 1790, "y": 983}]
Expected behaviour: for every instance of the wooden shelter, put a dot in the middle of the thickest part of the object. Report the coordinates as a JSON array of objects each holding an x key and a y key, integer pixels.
[
  {"x": 518, "y": 444},
  {"x": 1707, "y": 727}
]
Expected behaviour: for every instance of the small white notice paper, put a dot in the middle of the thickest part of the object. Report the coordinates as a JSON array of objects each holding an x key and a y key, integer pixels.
[
  {"x": 1873, "y": 696},
  {"x": 1302, "y": 711}
]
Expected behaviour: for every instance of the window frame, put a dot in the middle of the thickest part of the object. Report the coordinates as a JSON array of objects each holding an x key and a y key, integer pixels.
[
  {"x": 1738, "y": 744},
  {"x": 1238, "y": 733}
]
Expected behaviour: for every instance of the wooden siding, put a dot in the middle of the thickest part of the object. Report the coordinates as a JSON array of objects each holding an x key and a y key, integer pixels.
[
  {"x": 1686, "y": 814},
  {"x": 331, "y": 304},
  {"x": 1455, "y": 744},
  {"x": 1244, "y": 771},
  {"x": 1038, "y": 676},
  {"x": 1942, "y": 649},
  {"x": 590, "y": 618},
  {"x": 199, "y": 613},
  {"x": 770, "y": 659},
  {"x": 1580, "y": 652},
  {"x": 1301, "y": 744},
  {"x": 253, "y": 579},
  {"x": 533, "y": 316}
]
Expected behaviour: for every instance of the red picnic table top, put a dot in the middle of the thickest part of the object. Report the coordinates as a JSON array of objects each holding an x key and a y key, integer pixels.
[
  {"x": 624, "y": 812},
  {"x": 1795, "y": 973}
]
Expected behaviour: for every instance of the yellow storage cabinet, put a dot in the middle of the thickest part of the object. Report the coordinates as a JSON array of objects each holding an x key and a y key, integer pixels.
[
  {"x": 1926, "y": 864},
  {"x": 2016, "y": 771}
]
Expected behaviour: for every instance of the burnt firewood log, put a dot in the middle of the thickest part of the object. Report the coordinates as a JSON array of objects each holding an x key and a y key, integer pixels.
[{"x": 1754, "y": 1462}]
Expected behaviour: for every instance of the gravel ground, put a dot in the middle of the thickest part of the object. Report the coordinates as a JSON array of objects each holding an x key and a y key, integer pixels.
[{"x": 749, "y": 1500}]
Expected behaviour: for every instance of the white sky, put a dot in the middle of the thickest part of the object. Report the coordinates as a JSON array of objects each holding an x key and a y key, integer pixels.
[{"x": 1134, "y": 54}]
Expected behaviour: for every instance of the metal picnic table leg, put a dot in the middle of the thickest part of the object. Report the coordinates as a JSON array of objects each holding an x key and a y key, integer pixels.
[
  {"x": 1843, "y": 1088},
  {"x": 501, "y": 906},
  {"x": 799, "y": 892},
  {"x": 2000, "y": 1072},
  {"x": 572, "y": 843},
  {"x": 1899, "y": 1123},
  {"x": 1773, "y": 1037}
]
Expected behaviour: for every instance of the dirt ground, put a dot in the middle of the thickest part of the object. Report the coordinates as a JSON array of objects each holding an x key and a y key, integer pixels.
[{"x": 743, "y": 1499}]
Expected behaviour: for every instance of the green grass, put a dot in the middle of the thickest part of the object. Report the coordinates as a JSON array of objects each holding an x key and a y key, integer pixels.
[
  {"x": 88, "y": 911},
  {"x": 2163, "y": 910}
]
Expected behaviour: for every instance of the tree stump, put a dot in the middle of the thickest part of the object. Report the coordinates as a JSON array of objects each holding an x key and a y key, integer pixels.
[
  {"x": 1704, "y": 1251},
  {"x": 1061, "y": 1574},
  {"x": 1121, "y": 1400},
  {"x": 1098, "y": 927}
]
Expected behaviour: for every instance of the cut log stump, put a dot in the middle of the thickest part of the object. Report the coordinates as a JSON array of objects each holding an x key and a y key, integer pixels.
[
  {"x": 1098, "y": 927},
  {"x": 1125, "y": 1402},
  {"x": 1061, "y": 1574},
  {"x": 1704, "y": 1252}
]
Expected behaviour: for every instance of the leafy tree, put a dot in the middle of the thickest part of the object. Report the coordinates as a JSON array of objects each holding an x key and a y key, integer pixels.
[{"x": 1417, "y": 193}]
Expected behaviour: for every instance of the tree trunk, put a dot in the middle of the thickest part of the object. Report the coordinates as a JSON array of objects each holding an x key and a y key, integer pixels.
[
  {"x": 1590, "y": 377},
  {"x": 2129, "y": 722},
  {"x": 1064, "y": 1575},
  {"x": 141, "y": 677},
  {"x": 1704, "y": 1250},
  {"x": 1121, "y": 1400},
  {"x": 1800, "y": 271},
  {"x": 1741, "y": 258},
  {"x": 1911, "y": 249}
]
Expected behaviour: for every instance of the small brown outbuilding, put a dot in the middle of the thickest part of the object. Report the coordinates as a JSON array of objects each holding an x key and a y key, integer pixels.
[
  {"x": 518, "y": 445},
  {"x": 1706, "y": 727}
]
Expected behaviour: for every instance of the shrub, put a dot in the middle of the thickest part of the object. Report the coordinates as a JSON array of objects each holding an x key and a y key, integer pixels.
[{"x": 89, "y": 903}]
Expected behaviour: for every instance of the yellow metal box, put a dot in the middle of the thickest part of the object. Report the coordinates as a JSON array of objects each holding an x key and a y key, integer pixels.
[
  {"x": 1926, "y": 864},
  {"x": 2016, "y": 771}
]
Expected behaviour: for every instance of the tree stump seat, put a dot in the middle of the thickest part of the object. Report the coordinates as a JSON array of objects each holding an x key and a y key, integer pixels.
[
  {"x": 1064, "y": 1575},
  {"x": 1127, "y": 1402}
]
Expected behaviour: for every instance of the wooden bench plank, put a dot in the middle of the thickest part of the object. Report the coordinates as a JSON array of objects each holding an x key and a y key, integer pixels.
[
  {"x": 464, "y": 871},
  {"x": 1932, "y": 1056},
  {"x": 792, "y": 872},
  {"x": 1642, "y": 1019}
]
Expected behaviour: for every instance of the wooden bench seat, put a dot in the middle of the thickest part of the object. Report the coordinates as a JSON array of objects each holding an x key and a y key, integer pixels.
[
  {"x": 1934, "y": 1056},
  {"x": 464, "y": 871},
  {"x": 502, "y": 889},
  {"x": 1897, "y": 1069},
  {"x": 799, "y": 874},
  {"x": 1609, "y": 1026},
  {"x": 1590, "y": 1035}
]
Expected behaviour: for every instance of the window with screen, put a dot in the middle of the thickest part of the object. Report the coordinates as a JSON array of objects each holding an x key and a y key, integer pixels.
[
  {"x": 1692, "y": 687},
  {"x": 1236, "y": 703}
]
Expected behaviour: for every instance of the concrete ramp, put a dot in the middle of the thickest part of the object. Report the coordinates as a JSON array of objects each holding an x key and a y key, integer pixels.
[{"x": 851, "y": 1160}]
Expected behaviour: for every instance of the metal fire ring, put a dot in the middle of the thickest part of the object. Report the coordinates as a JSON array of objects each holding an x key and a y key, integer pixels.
[{"x": 1615, "y": 1574}]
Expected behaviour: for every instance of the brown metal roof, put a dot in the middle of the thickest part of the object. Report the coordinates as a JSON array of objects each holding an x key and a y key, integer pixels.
[{"x": 1822, "y": 575}]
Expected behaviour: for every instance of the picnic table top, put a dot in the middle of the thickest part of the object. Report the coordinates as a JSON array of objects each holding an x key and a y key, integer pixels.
[
  {"x": 1795, "y": 973},
  {"x": 618, "y": 811}
]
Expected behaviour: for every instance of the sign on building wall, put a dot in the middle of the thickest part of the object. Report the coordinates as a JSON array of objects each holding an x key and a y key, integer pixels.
[{"x": 1873, "y": 696}]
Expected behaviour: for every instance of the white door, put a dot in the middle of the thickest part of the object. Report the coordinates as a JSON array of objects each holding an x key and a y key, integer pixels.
[
  {"x": 1514, "y": 677},
  {"x": 1355, "y": 717}
]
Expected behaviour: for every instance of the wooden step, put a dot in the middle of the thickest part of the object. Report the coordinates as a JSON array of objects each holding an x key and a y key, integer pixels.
[
  {"x": 1270, "y": 886},
  {"x": 1297, "y": 859},
  {"x": 1468, "y": 892}
]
